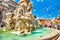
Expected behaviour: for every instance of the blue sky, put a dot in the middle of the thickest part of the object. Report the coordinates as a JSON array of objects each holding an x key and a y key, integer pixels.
[{"x": 45, "y": 8}]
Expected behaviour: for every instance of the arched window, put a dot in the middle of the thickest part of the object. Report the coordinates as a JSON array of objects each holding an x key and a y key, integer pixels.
[
  {"x": 0, "y": 16},
  {"x": 0, "y": 12}
]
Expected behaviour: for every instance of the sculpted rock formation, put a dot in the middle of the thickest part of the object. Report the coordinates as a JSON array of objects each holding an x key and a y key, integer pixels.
[{"x": 22, "y": 19}]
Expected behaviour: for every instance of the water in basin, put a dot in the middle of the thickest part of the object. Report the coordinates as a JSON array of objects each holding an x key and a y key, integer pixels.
[{"x": 35, "y": 34}]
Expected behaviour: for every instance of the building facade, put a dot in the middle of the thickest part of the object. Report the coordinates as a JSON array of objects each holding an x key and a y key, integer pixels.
[
  {"x": 46, "y": 22},
  {"x": 6, "y": 6},
  {"x": 56, "y": 21}
]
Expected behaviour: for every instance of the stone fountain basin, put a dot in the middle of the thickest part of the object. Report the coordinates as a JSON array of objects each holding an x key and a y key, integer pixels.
[{"x": 39, "y": 34}]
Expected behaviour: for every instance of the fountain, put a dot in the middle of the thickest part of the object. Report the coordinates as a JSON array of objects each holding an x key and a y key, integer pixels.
[{"x": 22, "y": 25}]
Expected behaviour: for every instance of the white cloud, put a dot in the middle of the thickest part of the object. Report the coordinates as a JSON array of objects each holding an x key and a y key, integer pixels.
[
  {"x": 59, "y": 11},
  {"x": 32, "y": 2},
  {"x": 34, "y": 10},
  {"x": 49, "y": 8},
  {"x": 41, "y": 0},
  {"x": 49, "y": 15},
  {"x": 41, "y": 17},
  {"x": 58, "y": 15},
  {"x": 38, "y": 0}
]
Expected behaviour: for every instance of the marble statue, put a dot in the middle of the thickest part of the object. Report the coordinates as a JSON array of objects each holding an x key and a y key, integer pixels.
[
  {"x": 8, "y": 20},
  {"x": 23, "y": 20},
  {"x": 25, "y": 7}
]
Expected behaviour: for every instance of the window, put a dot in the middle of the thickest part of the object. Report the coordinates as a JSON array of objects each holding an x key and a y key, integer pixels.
[
  {"x": 0, "y": 17},
  {"x": 0, "y": 1},
  {"x": 0, "y": 12}
]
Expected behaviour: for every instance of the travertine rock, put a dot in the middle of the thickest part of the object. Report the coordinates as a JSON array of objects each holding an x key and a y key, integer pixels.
[
  {"x": 8, "y": 20},
  {"x": 22, "y": 20}
]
